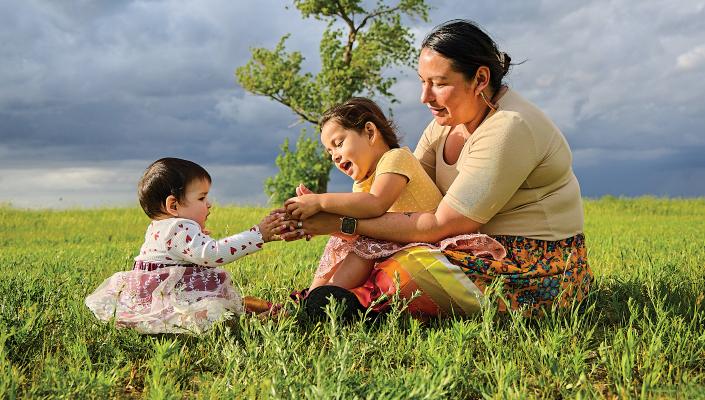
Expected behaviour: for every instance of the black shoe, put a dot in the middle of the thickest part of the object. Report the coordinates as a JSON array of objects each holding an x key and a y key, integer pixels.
[
  {"x": 298, "y": 295},
  {"x": 317, "y": 299}
]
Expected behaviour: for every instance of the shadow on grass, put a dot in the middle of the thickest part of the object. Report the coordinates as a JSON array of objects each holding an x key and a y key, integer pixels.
[{"x": 618, "y": 297}]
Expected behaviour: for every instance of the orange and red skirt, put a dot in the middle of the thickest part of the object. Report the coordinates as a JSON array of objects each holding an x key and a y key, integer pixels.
[{"x": 534, "y": 274}]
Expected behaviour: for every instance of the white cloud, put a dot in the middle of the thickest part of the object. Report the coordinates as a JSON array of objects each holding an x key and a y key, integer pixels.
[
  {"x": 692, "y": 59},
  {"x": 63, "y": 185}
]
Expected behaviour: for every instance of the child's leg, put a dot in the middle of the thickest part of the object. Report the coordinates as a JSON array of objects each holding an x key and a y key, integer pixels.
[
  {"x": 320, "y": 280},
  {"x": 352, "y": 272},
  {"x": 324, "y": 279}
]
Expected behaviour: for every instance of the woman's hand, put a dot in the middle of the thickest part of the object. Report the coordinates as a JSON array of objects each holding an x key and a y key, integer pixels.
[
  {"x": 291, "y": 229},
  {"x": 322, "y": 223}
]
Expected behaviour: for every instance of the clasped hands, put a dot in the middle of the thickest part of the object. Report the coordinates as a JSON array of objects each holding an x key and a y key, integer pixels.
[{"x": 295, "y": 211}]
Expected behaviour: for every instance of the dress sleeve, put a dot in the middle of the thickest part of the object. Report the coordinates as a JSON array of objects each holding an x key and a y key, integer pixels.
[
  {"x": 498, "y": 161},
  {"x": 188, "y": 242},
  {"x": 426, "y": 150}
]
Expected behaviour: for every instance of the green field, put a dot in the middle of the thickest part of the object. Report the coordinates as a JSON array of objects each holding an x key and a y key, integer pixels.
[{"x": 642, "y": 334}]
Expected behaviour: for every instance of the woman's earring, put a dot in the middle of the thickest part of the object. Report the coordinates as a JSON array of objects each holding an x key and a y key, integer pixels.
[{"x": 491, "y": 105}]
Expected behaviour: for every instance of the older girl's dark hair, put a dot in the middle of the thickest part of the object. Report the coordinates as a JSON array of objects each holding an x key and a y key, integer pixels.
[
  {"x": 165, "y": 177},
  {"x": 468, "y": 47},
  {"x": 356, "y": 112}
]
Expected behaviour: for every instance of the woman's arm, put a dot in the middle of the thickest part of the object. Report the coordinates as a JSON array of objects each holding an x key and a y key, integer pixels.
[
  {"x": 384, "y": 192},
  {"x": 418, "y": 227},
  {"x": 396, "y": 227}
]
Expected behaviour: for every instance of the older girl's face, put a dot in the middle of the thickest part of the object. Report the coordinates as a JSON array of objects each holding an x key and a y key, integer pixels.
[
  {"x": 351, "y": 151},
  {"x": 447, "y": 93}
]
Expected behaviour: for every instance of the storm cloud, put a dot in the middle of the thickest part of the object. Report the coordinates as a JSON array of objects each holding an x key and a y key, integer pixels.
[{"x": 92, "y": 91}]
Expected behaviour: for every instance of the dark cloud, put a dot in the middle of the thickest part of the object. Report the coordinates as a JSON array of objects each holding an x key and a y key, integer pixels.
[
  {"x": 651, "y": 177},
  {"x": 100, "y": 83}
]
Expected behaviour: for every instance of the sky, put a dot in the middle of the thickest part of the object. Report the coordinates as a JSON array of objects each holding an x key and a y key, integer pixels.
[{"x": 91, "y": 92}]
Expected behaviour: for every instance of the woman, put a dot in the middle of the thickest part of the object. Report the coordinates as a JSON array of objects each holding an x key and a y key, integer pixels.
[{"x": 504, "y": 169}]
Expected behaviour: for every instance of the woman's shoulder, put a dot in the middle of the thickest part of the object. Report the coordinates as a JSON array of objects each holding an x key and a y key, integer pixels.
[
  {"x": 503, "y": 124},
  {"x": 512, "y": 100},
  {"x": 515, "y": 110},
  {"x": 517, "y": 116}
]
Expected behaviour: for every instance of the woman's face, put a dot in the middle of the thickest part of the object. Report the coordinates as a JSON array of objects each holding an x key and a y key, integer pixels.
[{"x": 447, "y": 93}]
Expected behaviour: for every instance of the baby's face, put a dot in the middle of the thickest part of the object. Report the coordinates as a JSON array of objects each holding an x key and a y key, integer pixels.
[{"x": 196, "y": 205}]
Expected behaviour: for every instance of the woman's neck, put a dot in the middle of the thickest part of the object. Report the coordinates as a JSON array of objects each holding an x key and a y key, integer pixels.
[{"x": 472, "y": 125}]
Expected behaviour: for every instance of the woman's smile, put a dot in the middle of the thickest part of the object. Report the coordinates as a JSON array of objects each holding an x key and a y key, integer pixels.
[{"x": 437, "y": 110}]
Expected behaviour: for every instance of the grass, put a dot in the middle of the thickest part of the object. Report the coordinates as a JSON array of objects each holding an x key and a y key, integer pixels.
[{"x": 642, "y": 334}]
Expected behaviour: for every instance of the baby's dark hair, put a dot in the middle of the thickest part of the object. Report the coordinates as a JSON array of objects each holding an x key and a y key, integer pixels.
[
  {"x": 356, "y": 112},
  {"x": 165, "y": 177}
]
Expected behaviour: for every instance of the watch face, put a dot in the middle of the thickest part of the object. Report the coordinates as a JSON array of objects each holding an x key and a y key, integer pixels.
[{"x": 348, "y": 225}]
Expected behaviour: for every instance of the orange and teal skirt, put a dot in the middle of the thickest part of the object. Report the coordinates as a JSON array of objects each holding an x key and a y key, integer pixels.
[{"x": 535, "y": 275}]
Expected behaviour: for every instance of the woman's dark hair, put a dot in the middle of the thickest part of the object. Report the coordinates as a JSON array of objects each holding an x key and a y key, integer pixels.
[
  {"x": 165, "y": 177},
  {"x": 468, "y": 47},
  {"x": 356, "y": 112}
]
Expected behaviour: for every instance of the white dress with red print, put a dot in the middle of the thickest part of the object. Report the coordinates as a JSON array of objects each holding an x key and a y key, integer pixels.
[{"x": 175, "y": 285}]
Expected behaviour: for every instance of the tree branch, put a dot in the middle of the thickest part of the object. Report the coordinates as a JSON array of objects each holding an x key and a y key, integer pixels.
[
  {"x": 352, "y": 35},
  {"x": 344, "y": 16},
  {"x": 347, "y": 54},
  {"x": 297, "y": 111},
  {"x": 376, "y": 14}
]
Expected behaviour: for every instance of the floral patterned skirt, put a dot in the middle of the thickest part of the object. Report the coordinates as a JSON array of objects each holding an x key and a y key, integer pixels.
[
  {"x": 158, "y": 298},
  {"x": 533, "y": 275},
  {"x": 339, "y": 246}
]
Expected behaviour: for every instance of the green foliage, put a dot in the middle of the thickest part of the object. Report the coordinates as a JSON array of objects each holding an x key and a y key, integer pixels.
[
  {"x": 315, "y": 176},
  {"x": 356, "y": 48},
  {"x": 641, "y": 335},
  {"x": 277, "y": 75}
]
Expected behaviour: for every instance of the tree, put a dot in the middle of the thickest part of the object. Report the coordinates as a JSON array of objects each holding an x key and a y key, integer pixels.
[
  {"x": 308, "y": 165},
  {"x": 356, "y": 47}
]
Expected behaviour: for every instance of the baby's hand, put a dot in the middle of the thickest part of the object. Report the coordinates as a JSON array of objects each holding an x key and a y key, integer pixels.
[
  {"x": 303, "y": 206},
  {"x": 270, "y": 226}
]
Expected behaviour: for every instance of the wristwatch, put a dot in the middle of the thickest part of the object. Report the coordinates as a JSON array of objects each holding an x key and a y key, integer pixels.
[{"x": 348, "y": 225}]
